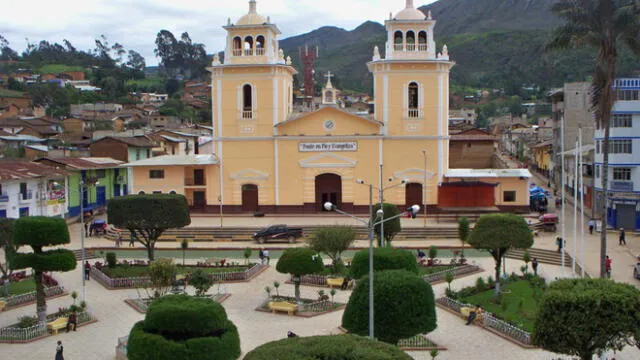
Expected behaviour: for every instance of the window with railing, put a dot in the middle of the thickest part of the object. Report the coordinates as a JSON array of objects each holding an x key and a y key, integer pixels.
[
  {"x": 423, "y": 47},
  {"x": 237, "y": 52},
  {"x": 622, "y": 174},
  {"x": 247, "y": 111},
  {"x": 259, "y": 51},
  {"x": 413, "y": 114},
  {"x": 411, "y": 47},
  {"x": 398, "y": 47},
  {"x": 622, "y": 121},
  {"x": 413, "y": 101}
]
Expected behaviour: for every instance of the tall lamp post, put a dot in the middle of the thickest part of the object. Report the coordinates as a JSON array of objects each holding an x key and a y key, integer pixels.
[
  {"x": 371, "y": 223},
  {"x": 424, "y": 188},
  {"x": 381, "y": 199},
  {"x": 82, "y": 186}
]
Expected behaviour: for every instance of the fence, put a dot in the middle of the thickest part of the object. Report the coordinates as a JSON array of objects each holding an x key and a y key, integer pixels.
[
  {"x": 142, "y": 281},
  {"x": 14, "y": 334},
  {"x": 318, "y": 306},
  {"x": 417, "y": 342},
  {"x": 31, "y": 296},
  {"x": 460, "y": 270},
  {"x": 314, "y": 280},
  {"x": 491, "y": 322}
]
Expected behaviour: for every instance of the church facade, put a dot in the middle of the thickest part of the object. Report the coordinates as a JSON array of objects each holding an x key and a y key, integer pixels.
[{"x": 271, "y": 157}]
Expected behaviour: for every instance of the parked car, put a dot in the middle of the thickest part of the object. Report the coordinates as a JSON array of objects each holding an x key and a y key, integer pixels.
[{"x": 278, "y": 232}]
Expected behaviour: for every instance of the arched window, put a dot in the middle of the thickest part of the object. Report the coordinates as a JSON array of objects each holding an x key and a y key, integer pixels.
[
  {"x": 172, "y": 192},
  {"x": 140, "y": 192},
  {"x": 260, "y": 45},
  {"x": 422, "y": 41},
  {"x": 411, "y": 41},
  {"x": 237, "y": 46},
  {"x": 398, "y": 39},
  {"x": 247, "y": 102},
  {"x": 328, "y": 96},
  {"x": 248, "y": 46},
  {"x": 414, "y": 112}
]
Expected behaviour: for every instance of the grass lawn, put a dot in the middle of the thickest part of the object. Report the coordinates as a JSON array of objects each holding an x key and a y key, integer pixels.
[
  {"x": 521, "y": 306},
  {"x": 426, "y": 270},
  {"x": 135, "y": 271},
  {"x": 58, "y": 68},
  {"x": 22, "y": 287},
  {"x": 11, "y": 93}
]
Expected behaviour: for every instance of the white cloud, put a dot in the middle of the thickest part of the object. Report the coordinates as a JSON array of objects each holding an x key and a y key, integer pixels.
[{"x": 135, "y": 23}]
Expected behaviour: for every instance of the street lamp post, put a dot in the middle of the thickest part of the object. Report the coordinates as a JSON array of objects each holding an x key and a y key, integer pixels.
[
  {"x": 381, "y": 191},
  {"x": 371, "y": 223},
  {"x": 82, "y": 186},
  {"x": 424, "y": 188}
]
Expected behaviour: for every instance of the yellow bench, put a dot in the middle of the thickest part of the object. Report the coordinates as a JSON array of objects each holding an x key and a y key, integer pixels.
[
  {"x": 283, "y": 306},
  {"x": 331, "y": 282},
  {"x": 465, "y": 311},
  {"x": 57, "y": 324},
  {"x": 2, "y": 305}
]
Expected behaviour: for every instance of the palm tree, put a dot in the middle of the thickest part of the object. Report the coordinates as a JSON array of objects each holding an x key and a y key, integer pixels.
[{"x": 605, "y": 25}]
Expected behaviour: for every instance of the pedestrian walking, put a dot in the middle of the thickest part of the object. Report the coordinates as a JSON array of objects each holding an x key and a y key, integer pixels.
[
  {"x": 59, "y": 350},
  {"x": 266, "y": 256},
  {"x": 622, "y": 240},
  {"x": 119, "y": 239},
  {"x": 607, "y": 266},
  {"x": 534, "y": 265},
  {"x": 261, "y": 256},
  {"x": 592, "y": 225},
  {"x": 87, "y": 270},
  {"x": 560, "y": 243},
  {"x": 132, "y": 242}
]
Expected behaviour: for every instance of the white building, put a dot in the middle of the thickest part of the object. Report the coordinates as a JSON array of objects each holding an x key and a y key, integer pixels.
[
  {"x": 31, "y": 189},
  {"x": 624, "y": 157}
]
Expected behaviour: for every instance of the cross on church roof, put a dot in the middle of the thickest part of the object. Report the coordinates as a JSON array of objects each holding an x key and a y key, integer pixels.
[{"x": 329, "y": 75}]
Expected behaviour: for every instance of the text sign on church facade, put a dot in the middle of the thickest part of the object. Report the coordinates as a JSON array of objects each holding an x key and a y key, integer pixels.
[{"x": 325, "y": 146}]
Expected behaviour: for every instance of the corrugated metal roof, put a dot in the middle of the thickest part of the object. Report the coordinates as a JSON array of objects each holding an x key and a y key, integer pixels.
[
  {"x": 170, "y": 160},
  {"x": 87, "y": 163},
  {"x": 487, "y": 173},
  {"x": 17, "y": 170}
]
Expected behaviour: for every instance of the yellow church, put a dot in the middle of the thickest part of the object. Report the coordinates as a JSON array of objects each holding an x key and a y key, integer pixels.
[{"x": 273, "y": 157}]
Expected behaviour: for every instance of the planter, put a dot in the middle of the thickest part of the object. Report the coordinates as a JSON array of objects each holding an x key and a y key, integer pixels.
[
  {"x": 141, "y": 305},
  {"x": 13, "y": 334},
  {"x": 308, "y": 308},
  {"x": 457, "y": 272},
  {"x": 29, "y": 298}
]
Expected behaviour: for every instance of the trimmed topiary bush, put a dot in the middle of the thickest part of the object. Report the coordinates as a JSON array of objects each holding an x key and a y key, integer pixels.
[
  {"x": 384, "y": 258},
  {"x": 404, "y": 306},
  {"x": 184, "y": 327},
  {"x": 336, "y": 347}
]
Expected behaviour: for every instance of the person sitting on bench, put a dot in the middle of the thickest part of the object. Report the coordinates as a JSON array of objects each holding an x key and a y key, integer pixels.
[
  {"x": 473, "y": 314},
  {"x": 345, "y": 283},
  {"x": 73, "y": 321}
]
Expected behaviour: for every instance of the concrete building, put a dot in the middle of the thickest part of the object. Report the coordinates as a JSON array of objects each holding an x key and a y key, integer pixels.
[{"x": 623, "y": 202}]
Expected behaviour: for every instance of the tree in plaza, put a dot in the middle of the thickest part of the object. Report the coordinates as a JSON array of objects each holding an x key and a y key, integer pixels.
[
  {"x": 404, "y": 306},
  {"x": 384, "y": 258},
  {"x": 184, "y": 327},
  {"x": 299, "y": 262},
  {"x": 39, "y": 232},
  {"x": 201, "y": 281},
  {"x": 581, "y": 317},
  {"x": 332, "y": 241},
  {"x": 463, "y": 231},
  {"x": 162, "y": 273},
  {"x": 6, "y": 244},
  {"x": 605, "y": 25},
  {"x": 148, "y": 216},
  {"x": 327, "y": 347},
  {"x": 498, "y": 233},
  {"x": 390, "y": 228}
]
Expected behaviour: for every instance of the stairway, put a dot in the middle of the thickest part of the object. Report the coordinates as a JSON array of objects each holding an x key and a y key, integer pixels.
[{"x": 88, "y": 254}]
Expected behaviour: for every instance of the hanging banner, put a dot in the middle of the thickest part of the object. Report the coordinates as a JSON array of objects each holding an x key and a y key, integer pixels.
[{"x": 328, "y": 146}]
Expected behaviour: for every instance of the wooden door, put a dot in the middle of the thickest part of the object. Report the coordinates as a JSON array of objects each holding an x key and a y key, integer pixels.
[
  {"x": 250, "y": 198},
  {"x": 413, "y": 195}
]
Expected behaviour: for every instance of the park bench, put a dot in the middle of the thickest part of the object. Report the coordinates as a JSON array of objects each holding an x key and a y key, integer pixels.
[
  {"x": 337, "y": 282},
  {"x": 57, "y": 324},
  {"x": 464, "y": 311},
  {"x": 283, "y": 306}
]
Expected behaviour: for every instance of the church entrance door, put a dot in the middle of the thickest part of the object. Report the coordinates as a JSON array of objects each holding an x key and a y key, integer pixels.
[
  {"x": 413, "y": 194},
  {"x": 328, "y": 189},
  {"x": 249, "y": 198}
]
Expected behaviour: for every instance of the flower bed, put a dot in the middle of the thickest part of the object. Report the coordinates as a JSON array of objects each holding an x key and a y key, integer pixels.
[
  {"x": 140, "y": 281},
  {"x": 141, "y": 305},
  {"x": 307, "y": 308},
  {"x": 30, "y": 297},
  {"x": 456, "y": 271},
  {"x": 15, "y": 334}
]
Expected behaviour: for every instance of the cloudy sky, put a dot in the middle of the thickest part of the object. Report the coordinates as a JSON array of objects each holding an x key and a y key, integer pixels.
[{"x": 135, "y": 23}]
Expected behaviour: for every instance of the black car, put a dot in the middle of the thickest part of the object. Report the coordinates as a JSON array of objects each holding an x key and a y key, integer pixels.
[{"x": 274, "y": 232}]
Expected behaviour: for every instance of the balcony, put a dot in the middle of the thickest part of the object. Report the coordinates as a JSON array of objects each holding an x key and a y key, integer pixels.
[
  {"x": 237, "y": 52},
  {"x": 26, "y": 196},
  {"x": 259, "y": 51},
  {"x": 398, "y": 47},
  {"x": 248, "y": 52},
  {"x": 194, "y": 182},
  {"x": 247, "y": 115},
  {"x": 411, "y": 47},
  {"x": 622, "y": 186},
  {"x": 414, "y": 114},
  {"x": 423, "y": 47}
]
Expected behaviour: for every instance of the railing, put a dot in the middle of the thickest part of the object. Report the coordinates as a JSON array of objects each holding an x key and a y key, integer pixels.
[
  {"x": 193, "y": 182},
  {"x": 414, "y": 114},
  {"x": 398, "y": 47},
  {"x": 31, "y": 296},
  {"x": 622, "y": 186},
  {"x": 259, "y": 51},
  {"x": 25, "y": 196},
  {"x": 248, "y": 114},
  {"x": 417, "y": 342},
  {"x": 423, "y": 47},
  {"x": 248, "y": 52},
  {"x": 318, "y": 306},
  {"x": 440, "y": 275},
  {"x": 491, "y": 322},
  {"x": 20, "y": 335},
  {"x": 237, "y": 52},
  {"x": 318, "y": 280},
  {"x": 411, "y": 47},
  {"x": 4, "y": 198}
]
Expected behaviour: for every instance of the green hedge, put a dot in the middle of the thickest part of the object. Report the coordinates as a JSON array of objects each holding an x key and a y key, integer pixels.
[
  {"x": 54, "y": 260},
  {"x": 384, "y": 258},
  {"x": 300, "y": 261},
  {"x": 185, "y": 316},
  {"x": 180, "y": 335},
  {"x": 404, "y": 306},
  {"x": 152, "y": 211},
  {"x": 40, "y": 231},
  {"x": 336, "y": 347}
]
